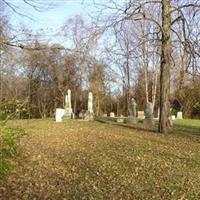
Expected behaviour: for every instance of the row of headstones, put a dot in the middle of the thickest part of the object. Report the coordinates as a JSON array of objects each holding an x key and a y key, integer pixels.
[
  {"x": 147, "y": 115},
  {"x": 67, "y": 112},
  {"x": 132, "y": 117},
  {"x": 141, "y": 115}
]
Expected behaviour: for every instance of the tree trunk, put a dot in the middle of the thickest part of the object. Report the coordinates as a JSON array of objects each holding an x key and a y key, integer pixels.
[
  {"x": 164, "y": 122},
  {"x": 145, "y": 62},
  {"x": 182, "y": 69},
  {"x": 154, "y": 87}
]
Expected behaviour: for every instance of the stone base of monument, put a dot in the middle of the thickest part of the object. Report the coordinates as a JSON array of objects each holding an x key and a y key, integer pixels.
[
  {"x": 68, "y": 113},
  {"x": 148, "y": 121},
  {"x": 88, "y": 116},
  {"x": 131, "y": 120},
  {"x": 120, "y": 119}
]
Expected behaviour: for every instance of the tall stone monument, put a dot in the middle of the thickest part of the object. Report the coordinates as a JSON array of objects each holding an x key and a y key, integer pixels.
[
  {"x": 89, "y": 115},
  {"x": 132, "y": 111},
  {"x": 149, "y": 113},
  {"x": 68, "y": 105},
  {"x": 90, "y": 102}
]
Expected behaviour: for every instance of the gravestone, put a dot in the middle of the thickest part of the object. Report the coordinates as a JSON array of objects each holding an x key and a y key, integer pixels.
[
  {"x": 120, "y": 119},
  {"x": 149, "y": 113},
  {"x": 179, "y": 115},
  {"x": 141, "y": 115},
  {"x": 132, "y": 112},
  {"x": 105, "y": 115},
  {"x": 173, "y": 117},
  {"x": 90, "y": 102},
  {"x": 112, "y": 114},
  {"x": 68, "y": 105},
  {"x": 89, "y": 115},
  {"x": 59, "y": 114}
]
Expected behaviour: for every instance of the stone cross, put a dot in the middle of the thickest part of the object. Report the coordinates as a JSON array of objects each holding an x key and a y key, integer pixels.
[{"x": 149, "y": 113}]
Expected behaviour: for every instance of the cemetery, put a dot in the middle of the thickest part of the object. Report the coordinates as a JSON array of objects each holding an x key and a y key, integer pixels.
[
  {"x": 86, "y": 151},
  {"x": 99, "y": 100}
]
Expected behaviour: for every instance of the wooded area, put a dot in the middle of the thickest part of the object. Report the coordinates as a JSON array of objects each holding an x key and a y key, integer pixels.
[{"x": 148, "y": 50}]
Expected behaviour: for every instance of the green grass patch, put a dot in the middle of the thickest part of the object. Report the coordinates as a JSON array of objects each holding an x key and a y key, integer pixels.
[
  {"x": 187, "y": 127},
  {"x": 188, "y": 122}
]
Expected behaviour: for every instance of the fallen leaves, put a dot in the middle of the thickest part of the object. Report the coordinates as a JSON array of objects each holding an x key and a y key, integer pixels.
[{"x": 79, "y": 160}]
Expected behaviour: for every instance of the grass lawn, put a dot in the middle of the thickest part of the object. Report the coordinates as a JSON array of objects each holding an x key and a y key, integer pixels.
[
  {"x": 187, "y": 127},
  {"x": 188, "y": 122},
  {"x": 93, "y": 160}
]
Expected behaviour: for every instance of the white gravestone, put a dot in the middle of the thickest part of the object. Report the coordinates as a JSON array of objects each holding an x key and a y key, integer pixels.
[
  {"x": 120, "y": 120},
  {"x": 112, "y": 114},
  {"x": 90, "y": 102},
  {"x": 59, "y": 114},
  {"x": 179, "y": 115},
  {"x": 173, "y": 117}
]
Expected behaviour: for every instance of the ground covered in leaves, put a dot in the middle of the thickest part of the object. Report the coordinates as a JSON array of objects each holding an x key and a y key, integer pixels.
[{"x": 93, "y": 160}]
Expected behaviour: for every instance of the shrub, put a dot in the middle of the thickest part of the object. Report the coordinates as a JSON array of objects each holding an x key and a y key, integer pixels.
[
  {"x": 189, "y": 98},
  {"x": 9, "y": 139}
]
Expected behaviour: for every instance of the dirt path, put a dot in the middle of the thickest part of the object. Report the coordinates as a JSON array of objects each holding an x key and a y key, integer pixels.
[{"x": 89, "y": 160}]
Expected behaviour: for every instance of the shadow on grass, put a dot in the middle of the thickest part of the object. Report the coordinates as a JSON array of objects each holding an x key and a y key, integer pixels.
[
  {"x": 183, "y": 130},
  {"x": 187, "y": 130}
]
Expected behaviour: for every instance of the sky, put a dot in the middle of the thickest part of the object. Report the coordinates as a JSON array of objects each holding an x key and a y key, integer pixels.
[{"x": 50, "y": 20}]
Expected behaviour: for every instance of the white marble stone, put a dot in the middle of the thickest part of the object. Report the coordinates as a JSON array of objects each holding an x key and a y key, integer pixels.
[
  {"x": 173, "y": 117},
  {"x": 179, "y": 115},
  {"x": 68, "y": 105},
  {"x": 112, "y": 114},
  {"x": 90, "y": 102},
  {"x": 120, "y": 120},
  {"x": 59, "y": 114}
]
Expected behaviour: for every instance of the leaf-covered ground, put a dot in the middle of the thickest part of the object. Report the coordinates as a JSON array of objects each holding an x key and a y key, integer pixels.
[{"x": 93, "y": 160}]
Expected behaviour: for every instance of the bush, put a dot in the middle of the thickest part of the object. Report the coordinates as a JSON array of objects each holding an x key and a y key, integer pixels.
[
  {"x": 196, "y": 110},
  {"x": 3, "y": 115},
  {"x": 13, "y": 109},
  {"x": 9, "y": 139},
  {"x": 189, "y": 99}
]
